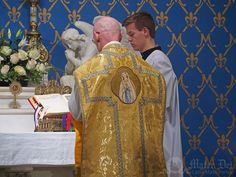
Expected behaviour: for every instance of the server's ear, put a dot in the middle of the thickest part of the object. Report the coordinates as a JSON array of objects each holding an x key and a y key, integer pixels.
[{"x": 146, "y": 31}]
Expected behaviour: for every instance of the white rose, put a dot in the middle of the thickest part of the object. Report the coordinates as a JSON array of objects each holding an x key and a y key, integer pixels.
[
  {"x": 20, "y": 70},
  {"x": 1, "y": 59},
  {"x": 34, "y": 53},
  {"x": 5, "y": 69},
  {"x": 6, "y": 50},
  {"x": 31, "y": 64},
  {"x": 22, "y": 54},
  {"x": 14, "y": 58},
  {"x": 40, "y": 67}
]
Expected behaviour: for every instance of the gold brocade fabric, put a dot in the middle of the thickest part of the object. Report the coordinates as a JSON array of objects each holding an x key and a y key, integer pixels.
[
  {"x": 78, "y": 145},
  {"x": 78, "y": 142},
  {"x": 123, "y": 104}
]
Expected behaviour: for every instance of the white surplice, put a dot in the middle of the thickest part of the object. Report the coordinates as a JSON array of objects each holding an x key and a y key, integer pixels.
[{"x": 172, "y": 135}]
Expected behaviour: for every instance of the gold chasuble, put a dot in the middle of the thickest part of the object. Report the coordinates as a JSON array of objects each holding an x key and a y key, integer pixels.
[{"x": 122, "y": 100}]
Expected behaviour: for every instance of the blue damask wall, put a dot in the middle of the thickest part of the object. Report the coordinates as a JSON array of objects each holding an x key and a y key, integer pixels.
[{"x": 199, "y": 36}]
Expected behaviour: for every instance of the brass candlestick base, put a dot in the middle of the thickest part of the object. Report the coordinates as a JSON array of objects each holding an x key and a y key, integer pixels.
[
  {"x": 15, "y": 89},
  {"x": 34, "y": 40}
]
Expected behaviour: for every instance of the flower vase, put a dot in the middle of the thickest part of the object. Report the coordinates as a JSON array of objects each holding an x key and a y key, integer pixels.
[
  {"x": 5, "y": 83},
  {"x": 24, "y": 83}
]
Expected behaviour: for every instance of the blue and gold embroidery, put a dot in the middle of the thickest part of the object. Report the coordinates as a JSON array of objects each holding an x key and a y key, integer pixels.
[{"x": 125, "y": 85}]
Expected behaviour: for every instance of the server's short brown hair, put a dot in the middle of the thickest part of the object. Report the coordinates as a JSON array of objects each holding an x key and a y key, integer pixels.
[{"x": 141, "y": 20}]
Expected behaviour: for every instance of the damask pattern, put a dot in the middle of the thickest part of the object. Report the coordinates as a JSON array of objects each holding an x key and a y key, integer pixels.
[{"x": 199, "y": 36}]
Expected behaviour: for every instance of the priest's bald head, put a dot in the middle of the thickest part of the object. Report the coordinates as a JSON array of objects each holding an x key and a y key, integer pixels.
[{"x": 106, "y": 29}]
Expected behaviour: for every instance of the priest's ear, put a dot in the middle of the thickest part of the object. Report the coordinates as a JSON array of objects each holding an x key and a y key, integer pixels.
[{"x": 96, "y": 37}]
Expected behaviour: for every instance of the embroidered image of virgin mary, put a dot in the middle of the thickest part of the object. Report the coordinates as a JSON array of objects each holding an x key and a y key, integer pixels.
[
  {"x": 127, "y": 89},
  {"x": 126, "y": 85}
]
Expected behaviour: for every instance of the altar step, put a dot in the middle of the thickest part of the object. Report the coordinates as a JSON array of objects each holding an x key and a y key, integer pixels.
[{"x": 20, "y": 119}]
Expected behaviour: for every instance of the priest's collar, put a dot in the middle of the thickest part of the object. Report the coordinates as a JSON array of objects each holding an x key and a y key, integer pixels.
[
  {"x": 112, "y": 42},
  {"x": 146, "y": 53}
]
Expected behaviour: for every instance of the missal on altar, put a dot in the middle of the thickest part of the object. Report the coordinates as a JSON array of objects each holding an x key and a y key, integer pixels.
[{"x": 51, "y": 103}]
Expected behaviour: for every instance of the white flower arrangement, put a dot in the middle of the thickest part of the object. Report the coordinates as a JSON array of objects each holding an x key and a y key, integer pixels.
[{"x": 19, "y": 61}]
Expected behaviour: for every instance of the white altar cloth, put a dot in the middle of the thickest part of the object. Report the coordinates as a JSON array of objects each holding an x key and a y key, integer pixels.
[{"x": 37, "y": 148}]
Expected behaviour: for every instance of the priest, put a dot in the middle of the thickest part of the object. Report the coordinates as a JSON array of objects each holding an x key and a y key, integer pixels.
[{"x": 120, "y": 100}]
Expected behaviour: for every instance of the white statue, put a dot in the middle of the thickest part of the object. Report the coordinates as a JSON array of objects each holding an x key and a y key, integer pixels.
[{"x": 80, "y": 47}]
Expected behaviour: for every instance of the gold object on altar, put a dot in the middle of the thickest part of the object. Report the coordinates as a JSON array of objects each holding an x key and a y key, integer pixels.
[
  {"x": 52, "y": 87},
  {"x": 51, "y": 123},
  {"x": 15, "y": 89},
  {"x": 33, "y": 36}
]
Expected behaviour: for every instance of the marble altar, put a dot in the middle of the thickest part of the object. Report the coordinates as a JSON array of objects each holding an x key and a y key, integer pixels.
[
  {"x": 25, "y": 153},
  {"x": 16, "y": 120}
]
